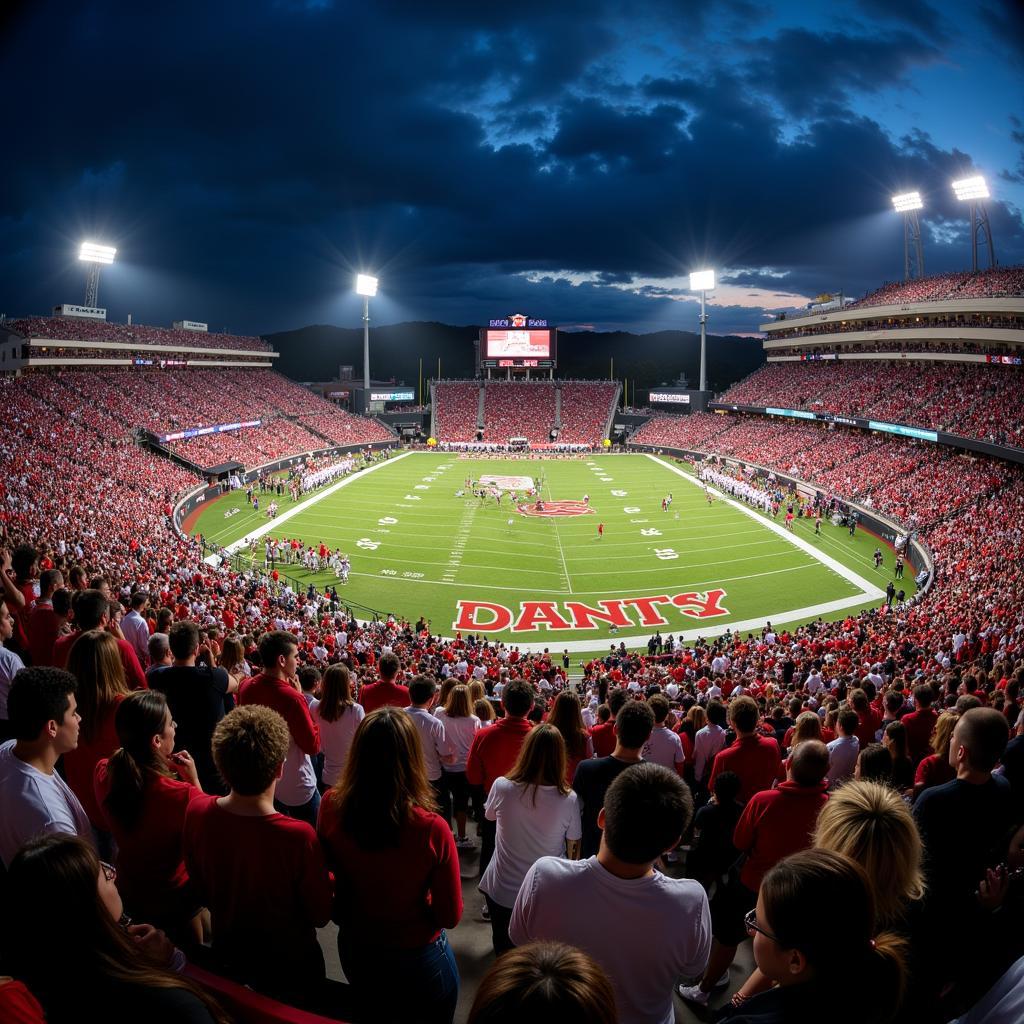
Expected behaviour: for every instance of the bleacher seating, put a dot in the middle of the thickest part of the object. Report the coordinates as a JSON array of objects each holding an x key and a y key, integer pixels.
[
  {"x": 62, "y": 328},
  {"x": 586, "y": 407},
  {"x": 455, "y": 415},
  {"x": 519, "y": 409}
]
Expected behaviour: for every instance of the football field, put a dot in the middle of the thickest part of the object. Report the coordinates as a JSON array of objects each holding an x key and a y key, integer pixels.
[{"x": 547, "y": 577}]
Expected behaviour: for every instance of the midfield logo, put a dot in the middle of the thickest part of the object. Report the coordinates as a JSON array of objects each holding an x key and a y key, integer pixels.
[
  {"x": 556, "y": 508},
  {"x": 487, "y": 617}
]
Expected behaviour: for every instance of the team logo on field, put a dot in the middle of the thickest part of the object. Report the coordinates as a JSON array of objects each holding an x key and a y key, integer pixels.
[{"x": 555, "y": 508}]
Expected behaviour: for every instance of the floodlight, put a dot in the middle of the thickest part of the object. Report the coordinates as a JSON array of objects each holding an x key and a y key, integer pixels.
[
  {"x": 702, "y": 280},
  {"x": 907, "y": 201},
  {"x": 971, "y": 188},
  {"x": 93, "y": 253},
  {"x": 366, "y": 285}
]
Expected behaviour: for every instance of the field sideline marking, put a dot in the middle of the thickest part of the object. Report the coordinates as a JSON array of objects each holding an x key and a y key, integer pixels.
[
  {"x": 271, "y": 524},
  {"x": 870, "y": 591}
]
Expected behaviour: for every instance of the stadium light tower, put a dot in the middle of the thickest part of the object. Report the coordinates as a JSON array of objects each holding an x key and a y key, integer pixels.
[
  {"x": 908, "y": 203},
  {"x": 973, "y": 190},
  {"x": 367, "y": 287},
  {"x": 703, "y": 281},
  {"x": 96, "y": 256}
]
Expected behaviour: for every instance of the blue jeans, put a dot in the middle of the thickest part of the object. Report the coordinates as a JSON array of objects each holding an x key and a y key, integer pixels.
[
  {"x": 307, "y": 812},
  {"x": 404, "y": 986}
]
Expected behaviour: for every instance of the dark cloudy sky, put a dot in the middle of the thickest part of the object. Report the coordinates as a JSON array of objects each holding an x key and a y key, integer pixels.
[{"x": 571, "y": 160}]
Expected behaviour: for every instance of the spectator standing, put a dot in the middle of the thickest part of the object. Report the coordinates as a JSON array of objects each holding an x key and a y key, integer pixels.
[
  {"x": 537, "y": 815},
  {"x": 260, "y": 872},
  {"x": 774, "y": 823},
  {"x": 708, "y": 741},
  {"x": 843, "y": 750},
  {"x": 935, "y": 769},
  {"x": 386, "y": 691},
  {"x": 144, "y": 791},
  {"x": 135, "y": 627},
  {"x": 460, "y": 726},
  {"x": 593, "y": 777},
  {"x": 336, "y": 716},
  {"x": 592, "y": 903},
  {"x": 277, "y": 687},
  {"x": 754, "y": 758},
  {"x": 92, "y": 611},
  {"x": 34, "y": 799},
  {"x": 10, "y": 665},
  {"x": 566, "y": 716},
  {"x": 920, "y": 723},
  {"x": 397, "y": 870},
  {"x": 195, "y": 694},
  {"x": 664, "y": 747},
  {"x": 712, "y": 851},
  {"x": 437, "y": 751},
  {"x": 45, "y": 621}
]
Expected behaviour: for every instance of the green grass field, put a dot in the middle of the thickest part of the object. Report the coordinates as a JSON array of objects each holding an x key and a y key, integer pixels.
[{"x": 417, "y": 549}]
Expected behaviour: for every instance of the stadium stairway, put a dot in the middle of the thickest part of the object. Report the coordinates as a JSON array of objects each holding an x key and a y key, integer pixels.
[
  {"x": 480, "y": 421},
  {"x": 611, "y": 411},
  {"x": 558, "y": 407}
]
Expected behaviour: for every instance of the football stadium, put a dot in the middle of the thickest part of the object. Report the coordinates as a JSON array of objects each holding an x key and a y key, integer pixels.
[{"x": 516, "y": 692}]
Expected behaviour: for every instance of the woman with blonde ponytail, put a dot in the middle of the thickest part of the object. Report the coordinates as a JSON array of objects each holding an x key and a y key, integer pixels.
[
  {"x": 816, "y": 939},
  {"x": 144, "y": 789}
]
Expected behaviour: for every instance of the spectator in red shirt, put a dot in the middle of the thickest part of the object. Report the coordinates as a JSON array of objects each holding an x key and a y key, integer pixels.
[
  {"x": 935, "y": 770},
  {"x": 143, "y": 791},
  {"x": 277, "y": 687},
  {"x": 44, "y": 621},
  {"x": 869, "y": 721},
  {"x": 92, "y": 611},
  {"x": 261, "y": 873},
  {"x": 754, "y": 758},
  {"x": 495, "y": 750},
  {"x": 920, "y": 723},
  {"x": 397, "y": 868},
  {"x": 603, "y": 735},
  {"x": 387, "y": 691},
  {"x": 20, "y": 591},
  {"x": 774, "y": 824}
]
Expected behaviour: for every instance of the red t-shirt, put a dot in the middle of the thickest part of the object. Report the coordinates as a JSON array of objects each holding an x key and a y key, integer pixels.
[
  {"x": 80, "y": 763},
  {"x": 394, "y": 897},
  {"x": 383, "y": 693},
  {"x": 755, "y": 759},
  {"x": 774, "y": 824},
  {"x": 133, "y": 674},
  {"x": 43, "y": 626},
  {"x": 151, "y": 875},
  {"x": 603, "y": 737},
  {"x": 266, "y": 884},
  {"x": 934, "y": 770},
  {"x": 494, "y": 750},
  {"x": 919, "y": 725}
]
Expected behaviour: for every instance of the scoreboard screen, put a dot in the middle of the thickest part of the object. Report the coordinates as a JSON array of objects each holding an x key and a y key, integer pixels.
[{"x": 518, "y": 344}]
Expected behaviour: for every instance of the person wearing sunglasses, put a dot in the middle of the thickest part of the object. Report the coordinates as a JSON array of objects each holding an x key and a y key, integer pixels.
[{"x": 809, "y": 955}]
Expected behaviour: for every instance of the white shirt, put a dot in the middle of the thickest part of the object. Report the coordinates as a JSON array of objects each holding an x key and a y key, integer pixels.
[
  {"x": 433, "y": 739},
  {"x": 585, "y": 905},
  {"x": 814, "y": 683},
  {"x": 10, "y": 665},
  {"x": 664, "y": 748},
  {"x": 33, "y": 803},
  {"x": 336, "y": 738},
  {"x": 842, "y": 759},
  {"x": 526, "y": 832},
  {"x": 706, "y": 744},
  {"x": 459, "y": 733},
  {"x": 136, "y": 632}
]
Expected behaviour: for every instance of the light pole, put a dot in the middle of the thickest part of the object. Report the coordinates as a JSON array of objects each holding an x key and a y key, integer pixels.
[
  {"x": 367, "y": 287},
  {"x": 908, "y": 203},
  {"x": 703, "y": 281},
  {"x": 973, "y": 190},
  {"x": 96, "y": 256}
]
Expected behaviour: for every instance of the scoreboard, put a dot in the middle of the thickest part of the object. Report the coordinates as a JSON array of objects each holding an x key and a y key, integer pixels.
[{"x": 518, "y": 342}]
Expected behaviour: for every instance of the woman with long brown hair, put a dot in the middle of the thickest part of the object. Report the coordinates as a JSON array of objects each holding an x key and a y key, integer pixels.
[
  {"x": 460, "y": 726},
  {"x": 144, "y": 790},
  {"x": 337, "y": 716},
  {"x": 396, "y": 867},
  {"x": 74, "y": 948},
  {"x": 567, "y": 717},
  {"x": 537, "y": 815},
  {"x": 95, "y": 661}
]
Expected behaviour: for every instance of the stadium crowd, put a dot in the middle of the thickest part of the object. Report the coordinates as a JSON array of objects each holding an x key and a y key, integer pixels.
[
  {"x": 519, "y": 409},
  {"x": 849, "y": 791},
  {"x": 585, "y": 410},
  {"x": 456, "y": 406},
  {"x": 61, "y": 328}
]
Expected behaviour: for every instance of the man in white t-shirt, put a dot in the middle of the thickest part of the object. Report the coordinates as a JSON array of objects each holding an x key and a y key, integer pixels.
[
  {"x": 437, "y": 749},
  {"x": 664, "y": 746},
  {"x": 10, "y": 665},
  {"x": 709, "y": 741},
  {"x": 34, "y": 799},
  {"x": 594, "y": 903}
]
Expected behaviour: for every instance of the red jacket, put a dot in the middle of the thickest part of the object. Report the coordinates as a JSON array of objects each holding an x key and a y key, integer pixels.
[
  {"x": 755, "y": 759},
  {"x": 378, "y": 695},
  {"x": 494, "y": 750},
  {"x": 774, "y": 824},
  {"x": 919, "y": 725}
]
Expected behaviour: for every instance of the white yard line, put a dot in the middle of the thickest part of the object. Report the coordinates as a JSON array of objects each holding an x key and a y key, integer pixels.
[{"x": 561, "y": 551}]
